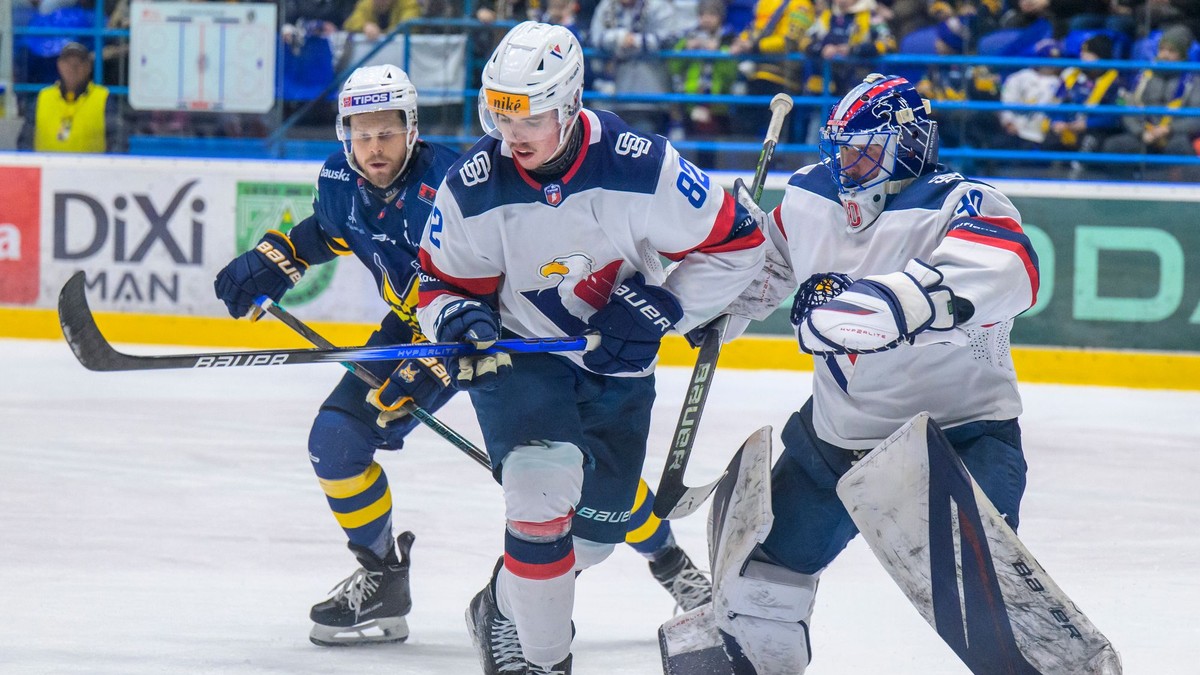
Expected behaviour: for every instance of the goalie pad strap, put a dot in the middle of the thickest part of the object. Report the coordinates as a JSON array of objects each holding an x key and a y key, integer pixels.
[{"x": 767, "y": 591}]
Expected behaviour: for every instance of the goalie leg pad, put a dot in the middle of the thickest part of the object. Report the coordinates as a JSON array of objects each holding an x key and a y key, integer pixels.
[
  {"x": 739, "y": 519},
  {"x": 760, "y": 609},
  {"x": 763, "y": 617},
  {"x": 770, "y": 638},
  {"x": 963, "y": 568}
]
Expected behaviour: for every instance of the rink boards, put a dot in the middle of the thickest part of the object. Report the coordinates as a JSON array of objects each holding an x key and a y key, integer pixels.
[{"x": 1119, "y": 302}]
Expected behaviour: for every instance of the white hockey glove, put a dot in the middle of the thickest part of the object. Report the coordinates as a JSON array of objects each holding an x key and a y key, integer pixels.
[{"x": 878, "y": 312}]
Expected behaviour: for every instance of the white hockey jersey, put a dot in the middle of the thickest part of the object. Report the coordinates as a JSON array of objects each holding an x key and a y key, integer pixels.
[
  {"x": 969, "y": 231},
  {"x": 547, "y": 255}
]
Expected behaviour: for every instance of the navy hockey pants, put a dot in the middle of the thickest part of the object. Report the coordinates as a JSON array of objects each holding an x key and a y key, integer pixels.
[
  {"x": 811, "y": 524},
  {"x": 547, "y": 397}
]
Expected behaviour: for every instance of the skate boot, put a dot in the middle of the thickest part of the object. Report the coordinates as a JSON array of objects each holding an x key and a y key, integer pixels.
[
  {"x": 494, "y": 635},
  {"x": 688, "y": 585},
  {"x": 369, "y": 606},
  {"x": 561, "y": 668}
]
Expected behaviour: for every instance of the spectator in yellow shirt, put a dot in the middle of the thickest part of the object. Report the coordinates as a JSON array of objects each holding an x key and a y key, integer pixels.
[
  {"x": 373, "y": 18},
  {"x": 73, "y": 114}
]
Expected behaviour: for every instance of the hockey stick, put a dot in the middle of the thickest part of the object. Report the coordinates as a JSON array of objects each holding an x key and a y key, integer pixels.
[
  {"x": 95, "y": 352},
  {"x": 674, "y": 499},
  {"x": 423, "y": 416}
]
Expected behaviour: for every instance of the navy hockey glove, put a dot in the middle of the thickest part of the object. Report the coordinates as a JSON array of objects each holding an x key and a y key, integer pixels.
[
  {"x": 270, "y": 269},
  {"x": 415, "y": 380},
  {"x": 877, "y": 312},
  {"x": 631, "y": 327},
  {"x": 473, "y": 321}
]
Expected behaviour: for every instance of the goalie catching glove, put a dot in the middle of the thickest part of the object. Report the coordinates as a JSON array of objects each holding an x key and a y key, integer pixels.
[
  {"x": 270, "y": 269},
  {"x": 872, "y": 314},
  {"x": 415, "y": 380},
  {"x": 631, "y": 327}
]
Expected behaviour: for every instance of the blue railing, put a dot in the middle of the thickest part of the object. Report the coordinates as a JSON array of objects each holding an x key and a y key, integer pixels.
[
  {"x": 279, "y": 145},
  {"x": 92, "y": 37}
]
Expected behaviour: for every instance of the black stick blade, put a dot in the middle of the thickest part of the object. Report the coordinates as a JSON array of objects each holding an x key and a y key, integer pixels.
[{"x": 80, "y": 329}]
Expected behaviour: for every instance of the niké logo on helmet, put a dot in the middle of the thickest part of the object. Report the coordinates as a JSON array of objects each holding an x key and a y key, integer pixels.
[{"x": 503, "y": 103}]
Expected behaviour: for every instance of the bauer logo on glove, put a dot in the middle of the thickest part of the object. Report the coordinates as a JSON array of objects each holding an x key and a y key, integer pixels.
[
  {"x": 281, "y": 259},
  {"x": 639, "y": 302}
]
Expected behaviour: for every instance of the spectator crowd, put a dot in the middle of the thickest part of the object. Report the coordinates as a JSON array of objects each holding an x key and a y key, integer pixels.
[{"x": 736, "y": 47}]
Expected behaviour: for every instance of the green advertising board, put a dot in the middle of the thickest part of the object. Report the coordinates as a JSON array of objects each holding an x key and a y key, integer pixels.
[
  {"x": 280, "y": 206},
  {"x": 1115, "y": 273},
  {"x": 1119, "y": 265}
]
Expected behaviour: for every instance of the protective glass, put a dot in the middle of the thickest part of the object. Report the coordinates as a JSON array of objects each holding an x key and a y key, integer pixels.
[{"x": 506, "y": 117}]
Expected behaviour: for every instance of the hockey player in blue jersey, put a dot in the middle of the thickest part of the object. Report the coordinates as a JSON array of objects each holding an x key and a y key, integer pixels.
[
  {"x": 372, "y": 201},
  {"x": 555, "y": 224},
  {"x": 915, "y": 274}
]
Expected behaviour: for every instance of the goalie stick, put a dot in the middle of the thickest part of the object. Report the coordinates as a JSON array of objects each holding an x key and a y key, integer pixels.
[
  {"x": 95, "y": 352},
  {"x": 420, "y": 414},
  {"x": 674, "y": 499}
]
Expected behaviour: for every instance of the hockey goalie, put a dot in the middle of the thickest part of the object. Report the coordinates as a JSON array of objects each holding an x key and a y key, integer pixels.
[{"x": 913, "y": 275}]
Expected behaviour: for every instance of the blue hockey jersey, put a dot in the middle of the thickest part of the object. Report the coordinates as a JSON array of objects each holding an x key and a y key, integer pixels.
[{"x": 381, "y": 227}]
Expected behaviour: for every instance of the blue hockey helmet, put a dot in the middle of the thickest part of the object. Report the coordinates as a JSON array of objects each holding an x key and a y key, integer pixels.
[{"x": 884, "y": 111}]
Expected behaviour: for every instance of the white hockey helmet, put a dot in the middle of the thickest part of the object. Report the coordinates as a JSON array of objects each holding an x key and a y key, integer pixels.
[
  {"x": 375, "y": 88},
  {"x": 536, "y": 67}
]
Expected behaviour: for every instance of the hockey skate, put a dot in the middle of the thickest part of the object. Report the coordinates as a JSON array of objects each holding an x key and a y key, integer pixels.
[
  {"x": 494, "y": 635},
  {"x": 369, "y": 606},
  {"x": 561, "y": 668},
  {"x": 683, "y": 580}
]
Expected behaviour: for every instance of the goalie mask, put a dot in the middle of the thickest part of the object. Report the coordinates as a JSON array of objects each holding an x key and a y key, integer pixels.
[
  {"x": 371, "y": 89},
  {"x": 878, "y": 133},
  {"x": 537, "y": 68}
]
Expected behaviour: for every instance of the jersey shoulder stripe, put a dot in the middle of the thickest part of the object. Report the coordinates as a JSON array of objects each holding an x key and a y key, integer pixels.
[{"x": 616, "y": 159}]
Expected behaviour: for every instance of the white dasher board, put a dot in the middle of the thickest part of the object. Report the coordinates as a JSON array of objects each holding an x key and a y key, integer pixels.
[{"x": 216, "y": 57}]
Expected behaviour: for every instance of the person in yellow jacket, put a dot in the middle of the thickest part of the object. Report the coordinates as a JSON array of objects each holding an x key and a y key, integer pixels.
[
  {"x": 72, "y": 115},
  {"x": 373, "y": 18},
  {"x": 779, "y": 28}
]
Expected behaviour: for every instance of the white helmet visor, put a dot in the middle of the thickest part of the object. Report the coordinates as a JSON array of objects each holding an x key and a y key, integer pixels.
[{"x": 506, "y": 116}]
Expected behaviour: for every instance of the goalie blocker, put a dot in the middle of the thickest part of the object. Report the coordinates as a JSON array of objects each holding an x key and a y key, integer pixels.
[{"x": 939, "y": 538}]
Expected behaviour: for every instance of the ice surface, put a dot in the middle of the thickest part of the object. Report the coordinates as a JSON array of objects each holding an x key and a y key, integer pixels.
[{"x": 168, "y": 522}]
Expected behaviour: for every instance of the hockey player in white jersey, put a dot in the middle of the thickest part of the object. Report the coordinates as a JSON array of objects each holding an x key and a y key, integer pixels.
[
  {"x": 914, "y": 275},
  {"x": 554, "y": 225}
]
